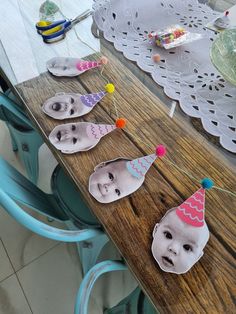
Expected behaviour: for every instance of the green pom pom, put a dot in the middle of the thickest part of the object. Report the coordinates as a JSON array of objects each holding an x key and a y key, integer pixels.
[{"x": 207, "y": 183}]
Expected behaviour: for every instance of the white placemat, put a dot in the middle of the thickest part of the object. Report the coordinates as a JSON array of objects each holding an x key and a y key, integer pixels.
[{"x": 186, "y": 73}]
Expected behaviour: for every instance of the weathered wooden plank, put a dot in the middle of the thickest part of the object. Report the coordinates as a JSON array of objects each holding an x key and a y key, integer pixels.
[{"x": 210, "y": 285}]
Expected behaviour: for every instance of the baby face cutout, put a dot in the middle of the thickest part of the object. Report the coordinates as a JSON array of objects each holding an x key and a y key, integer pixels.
[
  {"x": 72, "y": 137},
  {"x": 177, "y": 246},
  {"x": 64, "y": 106},
  {"x": 112, "y": 181},
  {"x": 60, "y": 66}
]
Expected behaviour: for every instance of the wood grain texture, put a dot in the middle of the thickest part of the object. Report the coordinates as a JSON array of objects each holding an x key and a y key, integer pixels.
[{"x": 210, "y": 287}]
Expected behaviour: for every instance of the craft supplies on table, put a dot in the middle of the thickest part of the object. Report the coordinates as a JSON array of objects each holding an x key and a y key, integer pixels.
[
  {"x": 55, "y": 31},
  {"x": 173, "y": 36}
]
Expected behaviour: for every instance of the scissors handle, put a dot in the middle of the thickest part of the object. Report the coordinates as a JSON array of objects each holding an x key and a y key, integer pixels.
[{"x": 42, "y": 26}]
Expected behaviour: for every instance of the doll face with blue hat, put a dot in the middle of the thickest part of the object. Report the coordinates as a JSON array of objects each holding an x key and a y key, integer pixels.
[{"x": 115, "y": 179}]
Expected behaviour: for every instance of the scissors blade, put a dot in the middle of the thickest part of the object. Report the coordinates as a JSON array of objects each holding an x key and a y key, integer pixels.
[{"x": 82, "y": 16}]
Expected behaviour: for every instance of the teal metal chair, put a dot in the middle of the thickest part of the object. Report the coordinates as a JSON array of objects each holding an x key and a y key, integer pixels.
[
  {"x": 65, "y": 204},
  {"x": 25, "y": 139},
  {"x": 135, "y": 303}
]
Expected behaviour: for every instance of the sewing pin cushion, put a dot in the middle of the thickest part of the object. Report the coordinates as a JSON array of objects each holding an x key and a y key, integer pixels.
[
  {"x": 181, "y": 235},
  {"x": 117, "y": 178}
]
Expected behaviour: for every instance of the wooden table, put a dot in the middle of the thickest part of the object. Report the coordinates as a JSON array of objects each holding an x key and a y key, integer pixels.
[{"x": 210, "y": 286}]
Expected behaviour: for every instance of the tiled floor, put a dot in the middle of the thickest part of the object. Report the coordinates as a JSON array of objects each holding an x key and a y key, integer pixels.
[{"x": 42, "y": 276}]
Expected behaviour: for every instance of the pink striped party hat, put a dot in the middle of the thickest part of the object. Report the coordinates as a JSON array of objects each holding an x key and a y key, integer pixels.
[
  {"x": 84, "y": 65},
  {"x": 90, "y": 100},
  {"x": 192, "y": 211},
  {"x": 140, "y": 166},
  {"x": 97, "y": 131}
]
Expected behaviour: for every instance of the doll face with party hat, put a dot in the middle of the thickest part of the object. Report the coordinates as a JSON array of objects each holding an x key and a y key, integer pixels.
[
  {"x": 176, "y": 245},
  {"x": 63, "y": 106},
  {"x": 60, "y": 66},
  {"x": 72, "y": 137},
  {"x": 112, "y": 180}
]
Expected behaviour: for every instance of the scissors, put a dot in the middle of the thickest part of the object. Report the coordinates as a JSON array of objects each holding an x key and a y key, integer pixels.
[{"x": 55, "y": 31}]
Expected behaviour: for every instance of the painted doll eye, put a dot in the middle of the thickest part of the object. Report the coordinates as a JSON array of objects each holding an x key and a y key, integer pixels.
[
  {"x": 73, "y": 127},
  {"x": 74, "y": 140},
  {"x": 72, "y": 100},
  {"x": 187, "y": 247},
  {"x": 117, "y": 192},
  {"x": 167, "y": 234},
  {"x": 111, "y": 177},
  {"x": 72, "y": 112}
]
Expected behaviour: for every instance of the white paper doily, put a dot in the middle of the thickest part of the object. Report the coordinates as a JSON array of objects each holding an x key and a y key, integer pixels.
[{"x": 186, "y": 73}]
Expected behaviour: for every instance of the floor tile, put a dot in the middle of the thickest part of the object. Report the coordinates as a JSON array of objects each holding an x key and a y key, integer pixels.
[
  {"x": 5, "y": 269},
  {"x": 22, "y": 245},
  {"x": 50, "y": 283},
  {"x": 12, "y": 299}
]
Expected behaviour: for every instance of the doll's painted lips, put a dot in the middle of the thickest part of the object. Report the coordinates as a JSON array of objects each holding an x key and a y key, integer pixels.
[{"x": 167, "y": 261}]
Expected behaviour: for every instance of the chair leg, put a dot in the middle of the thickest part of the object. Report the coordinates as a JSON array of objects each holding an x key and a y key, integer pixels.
[{"x": 90, "y": 250}]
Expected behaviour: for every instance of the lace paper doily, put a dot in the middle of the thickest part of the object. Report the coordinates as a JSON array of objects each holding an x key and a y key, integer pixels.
[{"x": 186, "y": 72}]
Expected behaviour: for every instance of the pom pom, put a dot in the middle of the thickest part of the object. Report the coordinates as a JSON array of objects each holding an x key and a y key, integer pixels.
[
  {"x": 156, "y": 58},
  {"x": 120, "y": 123},
  {"x": 110, "y": 88},
  {"x": 160, "y": 150},
  {"x": 103, "y": 60},
  {"x": 207, "y": 183}
]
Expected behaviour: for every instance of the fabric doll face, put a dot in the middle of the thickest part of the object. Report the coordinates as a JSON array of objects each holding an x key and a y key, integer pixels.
[
  {"x": 63, "y": 106},
  {"x": 177, "y": 246},
  {"x": 112, "y": 181},
  {"x": 60, "y": 66},
  {"x": 72, "y": 137}
]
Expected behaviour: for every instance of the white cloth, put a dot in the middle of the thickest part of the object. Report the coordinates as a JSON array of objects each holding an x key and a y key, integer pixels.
[
  {"x": 186, "y": 72},
  {"x": 24, "y": 48}
]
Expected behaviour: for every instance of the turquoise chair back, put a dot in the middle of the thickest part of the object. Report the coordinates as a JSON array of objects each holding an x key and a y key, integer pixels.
[
  {"x": 24, "y": 138},
  {"x": 134, "y": 303},
  {"x": 26, "y": 193},
  {"x": 14, "y": 186}
]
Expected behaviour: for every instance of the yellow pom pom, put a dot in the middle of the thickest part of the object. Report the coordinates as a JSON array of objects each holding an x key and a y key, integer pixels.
[{"x": 110, "y": 88}]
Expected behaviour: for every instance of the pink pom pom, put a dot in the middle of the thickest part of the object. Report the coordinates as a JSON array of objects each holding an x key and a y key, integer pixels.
[
  {"x": 160, "y": 150},
  {"x": 156, "y": 58},
  {"x": 103, "y": 60}
]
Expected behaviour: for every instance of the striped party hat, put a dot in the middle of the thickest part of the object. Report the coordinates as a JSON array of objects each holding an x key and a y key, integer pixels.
[
  {"x": 140, "y": 166},
  {"x": 97, "y": 131},
  {"x": 90, "y": 100},
  {"x": 192, "y": 211},
  {"x": 84, "y": 65}
]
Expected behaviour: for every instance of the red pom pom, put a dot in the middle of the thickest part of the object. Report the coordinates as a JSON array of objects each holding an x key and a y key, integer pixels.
[
  {"x": 160, "y": 150},
  {"x": 120, "y": 123},
  {"x": 103, "y": 60},
  {"x": 156, "y": 58}
]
